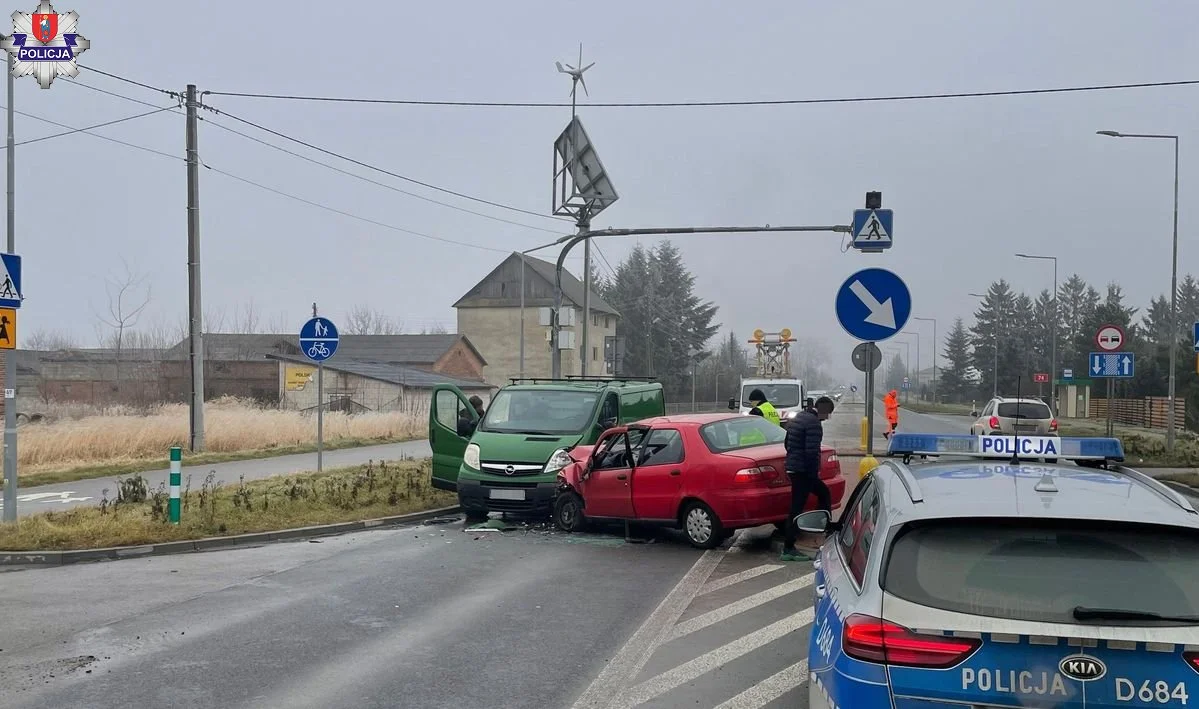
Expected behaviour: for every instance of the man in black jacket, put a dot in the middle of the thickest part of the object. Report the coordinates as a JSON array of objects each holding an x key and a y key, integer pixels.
[{"x": 805, "y": 433}]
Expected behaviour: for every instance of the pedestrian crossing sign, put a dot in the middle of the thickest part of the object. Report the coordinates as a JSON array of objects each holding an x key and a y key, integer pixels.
[{"x": 872, "y": 229}]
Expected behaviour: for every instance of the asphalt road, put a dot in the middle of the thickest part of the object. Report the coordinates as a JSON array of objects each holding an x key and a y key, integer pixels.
[{"x": 88, "y": 492}]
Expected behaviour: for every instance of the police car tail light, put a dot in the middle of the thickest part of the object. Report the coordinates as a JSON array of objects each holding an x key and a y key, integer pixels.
[
  {"x": 872, "y": 640},
  {"x": 993, "y": 422},
  {"x": 1192, "y": 658},
  {"x": 758, "y": 475}
]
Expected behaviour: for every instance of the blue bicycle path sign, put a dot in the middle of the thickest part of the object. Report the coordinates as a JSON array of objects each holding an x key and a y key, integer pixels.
[{"x": 319, "y": 339}]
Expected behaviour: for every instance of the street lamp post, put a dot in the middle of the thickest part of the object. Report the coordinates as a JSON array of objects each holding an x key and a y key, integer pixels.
[
  {"x": 936, "y": 391},
  {"x": 1053, "y": 347},
  {"x": 1173, "y": 280},
  {"x": 995, "y": 352},
  {"x": 917, "y": 336}
]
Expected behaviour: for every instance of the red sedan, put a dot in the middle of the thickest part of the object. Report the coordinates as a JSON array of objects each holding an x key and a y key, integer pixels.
[{"x": 709, "y": 474}]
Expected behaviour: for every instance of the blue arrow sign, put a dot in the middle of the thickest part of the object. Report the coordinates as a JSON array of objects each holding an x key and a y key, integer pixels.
[
  {"x": 872, "y": 229},
  {"x": 1115, "y": 365},
  {"x": 1196, "y": 338},
  {"x": 319, "y": 339},
  {"x": 873, "y": 305},
  {"x": 10, "y": 281}
]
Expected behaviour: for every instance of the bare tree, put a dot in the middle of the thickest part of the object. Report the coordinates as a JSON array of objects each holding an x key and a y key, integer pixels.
[
  {"x": 434, "y": 329},
  {"x": 128, "y": 295},
  {"x": 246, "y": 319},
  {"x": 365, "y": 320},
  {"x": 46, "y": 340}
]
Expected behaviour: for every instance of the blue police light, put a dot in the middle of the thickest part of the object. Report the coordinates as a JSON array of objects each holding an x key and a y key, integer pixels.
[{"x": 961, "y": 444}]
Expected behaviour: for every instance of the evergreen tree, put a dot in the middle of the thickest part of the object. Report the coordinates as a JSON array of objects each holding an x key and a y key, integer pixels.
[
  {"x": 1042, "y": 332},
  {"x": 1076, "y": 305},
  {"x": 896, "y": 371},
  {"x": 995, "y": 333},
  {"x": 956, "y": 383}
]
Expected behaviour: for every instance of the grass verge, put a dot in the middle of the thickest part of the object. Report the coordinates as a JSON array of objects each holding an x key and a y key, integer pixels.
[
  {"x": 139, "y": 514},
  {"x": 1142, "y": 446},
  {"x": 141, "y": 465},
  {"x": 928, "y": 407}
]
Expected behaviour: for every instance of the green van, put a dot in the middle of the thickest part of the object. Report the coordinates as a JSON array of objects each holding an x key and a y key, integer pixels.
[{"x": 504, "y": 467}]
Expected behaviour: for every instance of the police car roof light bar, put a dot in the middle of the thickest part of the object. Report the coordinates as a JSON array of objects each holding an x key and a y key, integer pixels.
[{"x": 970, "y": 446}]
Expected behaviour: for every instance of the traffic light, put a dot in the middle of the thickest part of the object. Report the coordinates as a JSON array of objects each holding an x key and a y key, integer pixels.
[{"x": 874, "y": 200}]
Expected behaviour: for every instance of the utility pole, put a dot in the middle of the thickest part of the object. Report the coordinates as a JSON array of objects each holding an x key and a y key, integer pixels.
[
  {"x": 10, "y": 360},
  {"x": 584, "y": 224},
  {"x": 195, "y": 311},
  {"x": 583, "y": 350}
]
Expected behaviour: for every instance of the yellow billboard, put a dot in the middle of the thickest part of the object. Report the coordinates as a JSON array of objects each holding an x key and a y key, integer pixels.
[{"x": 297, "y": 376}]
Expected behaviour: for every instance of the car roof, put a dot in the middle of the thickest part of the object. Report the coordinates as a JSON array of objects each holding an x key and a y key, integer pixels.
[
  {"x": 582, "y": 385},
  {"x": 972, "y": 488},
  {"x": 687, "y": 419},
  {"x": 1022, "y": 400}
]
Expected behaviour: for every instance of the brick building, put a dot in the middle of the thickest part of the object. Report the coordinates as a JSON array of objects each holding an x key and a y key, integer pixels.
[{"x": 489, "y": 314}]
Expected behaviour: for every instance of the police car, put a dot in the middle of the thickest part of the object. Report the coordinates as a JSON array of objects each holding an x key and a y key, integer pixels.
[{"x": 983, "y": 579}]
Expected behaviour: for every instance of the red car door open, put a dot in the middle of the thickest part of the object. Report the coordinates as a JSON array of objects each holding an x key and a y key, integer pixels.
[
  {"x": 608, "y": 488},
  {"x": 659, "y": 477}
]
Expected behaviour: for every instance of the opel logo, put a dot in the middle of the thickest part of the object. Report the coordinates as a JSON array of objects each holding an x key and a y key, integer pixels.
[
  {"x": 1083, "y": 668},
  {"x": 509, "y": 470}
]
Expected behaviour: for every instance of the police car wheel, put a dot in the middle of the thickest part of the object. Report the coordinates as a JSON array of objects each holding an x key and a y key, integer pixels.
[
  {"x": 702, "y": 527},
  {"x": 568, "y": 512}
]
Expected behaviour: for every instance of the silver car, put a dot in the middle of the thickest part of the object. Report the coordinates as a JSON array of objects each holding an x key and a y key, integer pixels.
[
  {"x": 1010, "y": 416},
  {"x": 970, "y": 582}
]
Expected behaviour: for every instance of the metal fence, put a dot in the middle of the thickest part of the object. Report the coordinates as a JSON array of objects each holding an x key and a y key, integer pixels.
[
  {"x": 700, "y": 407},
  {"x": 1148, "y": 412}
]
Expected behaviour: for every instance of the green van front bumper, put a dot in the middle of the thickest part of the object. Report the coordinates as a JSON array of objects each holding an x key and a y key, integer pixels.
[{"x": 480, "y": 493}]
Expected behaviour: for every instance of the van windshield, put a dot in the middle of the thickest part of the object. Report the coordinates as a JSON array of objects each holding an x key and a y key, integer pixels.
[
  {"x": 540, "y": 411},
  {"x": 783, "y": 396}
]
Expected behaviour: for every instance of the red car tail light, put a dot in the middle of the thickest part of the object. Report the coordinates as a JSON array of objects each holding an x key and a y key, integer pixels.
[
  {"x": 993, "y": 422},
  {"x": 1192, "y": 659},
  {"x": 1053, "y": 425},
  {"x": 873, "y": 640},
  {"x": 763, "y": 474}
]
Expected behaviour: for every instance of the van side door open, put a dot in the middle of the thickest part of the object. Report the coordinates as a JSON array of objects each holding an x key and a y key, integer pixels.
[{"x": 446, "y": 405}]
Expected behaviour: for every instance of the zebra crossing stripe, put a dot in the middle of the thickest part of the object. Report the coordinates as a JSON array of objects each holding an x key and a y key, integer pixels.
[
  {"x": 737, "y": 578},
  {"x": 770, "y": 688},
  {"x": 690, "y": 671},
  {"x": 700, "y": 622}
]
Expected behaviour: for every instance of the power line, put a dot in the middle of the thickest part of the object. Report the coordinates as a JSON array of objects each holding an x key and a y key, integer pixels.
[
  {"x": 351, "y": 215},
  {"x": 85, "y": 131},
  {"x": 697, "y": 104},
  {"x": 375, "y": 168},
  {"x": 376, "y": 182},
  {"x": 77, "y": 82},
  {"x": 173, "y": 94},
  {"x": 88, "y": 128}
]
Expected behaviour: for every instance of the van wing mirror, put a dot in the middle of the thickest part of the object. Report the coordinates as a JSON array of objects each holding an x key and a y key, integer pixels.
[
  {"x": 973, "y": 414},
  {"x": 732, "y": 404}
]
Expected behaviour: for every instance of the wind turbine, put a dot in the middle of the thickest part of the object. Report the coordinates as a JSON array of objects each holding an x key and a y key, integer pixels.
[{"x": 576, "y": 76}]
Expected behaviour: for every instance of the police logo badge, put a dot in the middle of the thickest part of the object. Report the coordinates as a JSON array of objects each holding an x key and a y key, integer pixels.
[{"x": 45, "y": 44}]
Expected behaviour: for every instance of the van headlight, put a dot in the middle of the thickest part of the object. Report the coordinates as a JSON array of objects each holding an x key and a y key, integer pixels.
[
  {"x": 471, "y": 457},
  {"x": 559, "y": 460}
]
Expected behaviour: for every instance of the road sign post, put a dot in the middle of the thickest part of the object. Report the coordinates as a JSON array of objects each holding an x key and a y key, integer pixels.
[
  {"x": 10, "y": 297},
  {"x": 866, "y": 358},
  {"x": 873, "y": 305},
  {"x": 319, "y": 341},
  {"x": 176, "y": 482}
]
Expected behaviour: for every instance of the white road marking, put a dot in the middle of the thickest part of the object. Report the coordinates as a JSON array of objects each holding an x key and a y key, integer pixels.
[
  {"x": 770, "y": 688},
  {"x": 636, "y": 652},
  {"x": 738, "y": 578},
  {"x": 689, "y": 671},
  {"x": 702, "y": 621},
  {"x": 46, "y": 498}
]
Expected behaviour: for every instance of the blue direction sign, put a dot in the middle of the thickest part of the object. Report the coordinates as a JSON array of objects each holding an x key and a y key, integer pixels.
[
  {"x": 1067, "y": 374},
  {"x": 906, "y": 384},
  {"x": 1196, "y": 338},
  {"x": 1115, "y": 365},
  {"x": 319, "y": 339},
  {"x": 873, "y": 305},
  {"x": 872, "y": 229},
  {"x": 10, "y": 281}
]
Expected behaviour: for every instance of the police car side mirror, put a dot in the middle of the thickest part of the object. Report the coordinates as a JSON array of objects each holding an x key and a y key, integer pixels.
[
  {"x": 814, "y": 522},
  {"x": 732, "y": 404}
]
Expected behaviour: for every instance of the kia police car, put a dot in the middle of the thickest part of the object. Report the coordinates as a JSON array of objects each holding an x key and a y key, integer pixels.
[{"x": 982, "y": 579}]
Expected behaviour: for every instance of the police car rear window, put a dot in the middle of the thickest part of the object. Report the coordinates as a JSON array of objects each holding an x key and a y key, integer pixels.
[
  {"x": 1042, "y": 571},
  {"x": 1024, "y": 410}
]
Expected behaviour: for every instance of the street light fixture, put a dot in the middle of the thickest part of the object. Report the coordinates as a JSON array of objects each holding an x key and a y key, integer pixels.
[
  {"x": 995, "y": 352},
  {"x": 1056, "y": 315},
  {"x": 936, "y": 391},
  {"x": 1173, "y": 280}
]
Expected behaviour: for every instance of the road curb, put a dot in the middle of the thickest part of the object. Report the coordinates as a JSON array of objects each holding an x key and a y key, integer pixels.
[{"x": 74, "y": 556}]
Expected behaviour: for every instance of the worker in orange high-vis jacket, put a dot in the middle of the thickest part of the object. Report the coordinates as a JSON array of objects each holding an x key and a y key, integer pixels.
[{"x": 891, "y": 405}]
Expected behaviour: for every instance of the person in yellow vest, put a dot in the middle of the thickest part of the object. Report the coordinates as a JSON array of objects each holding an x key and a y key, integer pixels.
[{"x": 763, "y": 408}]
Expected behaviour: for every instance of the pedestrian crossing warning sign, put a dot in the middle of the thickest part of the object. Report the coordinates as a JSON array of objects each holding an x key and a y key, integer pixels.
[{"x": 8, "y": 329}]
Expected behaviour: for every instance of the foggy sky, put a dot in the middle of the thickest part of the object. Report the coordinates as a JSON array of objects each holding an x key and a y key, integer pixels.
[{"x": 971, "y": 181}]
